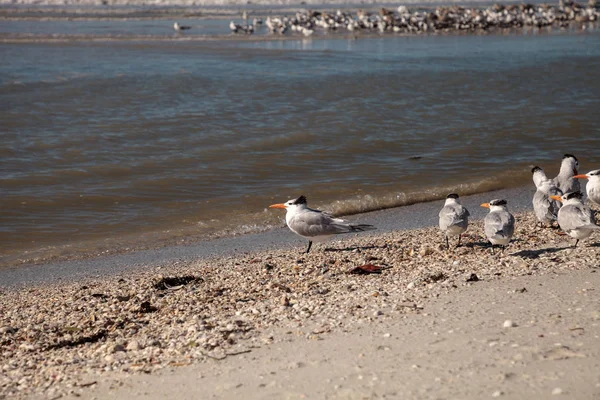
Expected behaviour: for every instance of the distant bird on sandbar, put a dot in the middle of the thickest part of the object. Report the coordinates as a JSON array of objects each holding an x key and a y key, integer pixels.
[
  {"x": 235, "y": 28},
  {"x": 454, "y": 218},
  {"x": 178, "y": 27},
  {"x": 315, "y": 225}
]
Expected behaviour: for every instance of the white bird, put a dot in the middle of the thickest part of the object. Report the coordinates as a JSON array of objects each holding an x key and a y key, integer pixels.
[
  {"x": 575, "y": 218},
  {"x": 315, "y": 225},
  {"x": 178, "y": 27},
  {"x": 307, "y": 31},
  {"x": 499, "y": 223},
  {"x": 565, "y": 180},
  {"x": 235, "y": 28},
  {"x": 546, "y": 209},
  {"x": 538, "y": 176},
  {"x": 593, "y": 186},
  {"x": 454, "y": 218}
]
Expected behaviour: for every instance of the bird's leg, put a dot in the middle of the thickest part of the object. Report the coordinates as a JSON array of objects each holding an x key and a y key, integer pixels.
[
  {"x": 492, "y": 248},
  {"x": 458, "y": 244},
  {"x": 309, "y": 245},
  {"x": 447, "y": 243},
  {"x": 576, "y": 241}
]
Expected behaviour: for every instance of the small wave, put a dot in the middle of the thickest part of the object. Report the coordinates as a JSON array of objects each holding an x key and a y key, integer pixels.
[{"x": 368, "y": 202}]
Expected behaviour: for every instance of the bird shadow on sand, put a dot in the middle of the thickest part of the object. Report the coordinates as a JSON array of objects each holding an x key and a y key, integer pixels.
[
  {"x": 536, "y": 253},
  {"x": 474, "y": 244},
  {"x": 352, "y": 248}
]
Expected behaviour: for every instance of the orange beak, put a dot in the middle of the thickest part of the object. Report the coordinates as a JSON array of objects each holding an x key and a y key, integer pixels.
[
  {"x": 581, "y": 176},
  {"x": 486, "y": 205},
  {"x": 556, "y": 198},
  {"x": 280, "y": 205}
]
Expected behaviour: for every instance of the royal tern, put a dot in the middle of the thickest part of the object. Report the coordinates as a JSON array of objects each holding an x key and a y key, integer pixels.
[
  {"x": 499, "y": 223},
  {"x": 593, "y": 186},
  {"x": 454, "y": 218},
  {"x": 315, "y": 225},
  {"x": 178, "y": 27},
  {"x": 538, "y": 176},
  {"x": 575, "y": 218},
  {"x": 565, "y": 180},
  {"x": 546, "y": 209}
]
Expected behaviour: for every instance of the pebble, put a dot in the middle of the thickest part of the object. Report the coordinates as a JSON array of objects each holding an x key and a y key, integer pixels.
[
  {"x": 133, "y": 345},
  {"x": 509, "y": 324},
  {"x": 557, "y": 391},
  {"x": 6, "y": 329}
]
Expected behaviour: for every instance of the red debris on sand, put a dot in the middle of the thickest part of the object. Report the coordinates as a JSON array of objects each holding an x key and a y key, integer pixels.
[{"x": 367, "y": 269}]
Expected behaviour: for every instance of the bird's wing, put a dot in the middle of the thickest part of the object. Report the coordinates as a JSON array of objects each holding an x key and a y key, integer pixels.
[
  {"x": 573, "y": 217},
  {"x": 452, "y": 215},
  {"x": 543, "y": 206},
  {"x": 317, "y": 223},
  {"x": 499, "y": 224}
]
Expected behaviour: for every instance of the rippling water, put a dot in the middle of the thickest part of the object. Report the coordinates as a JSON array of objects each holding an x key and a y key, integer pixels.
[{"x": 108, "y": 145}]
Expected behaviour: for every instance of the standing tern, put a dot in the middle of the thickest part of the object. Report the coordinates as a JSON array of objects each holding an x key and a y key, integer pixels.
[
  {"x": 593, "y": 186},
  {"x": 454, "y": 218},
  {"x": 575, "y": 218},
  {"x": 499, "y": 223},
  {"x": 315, "y": 225},
  {"x": 546, "y": 209},
  {"x": 565, "y": 180}
]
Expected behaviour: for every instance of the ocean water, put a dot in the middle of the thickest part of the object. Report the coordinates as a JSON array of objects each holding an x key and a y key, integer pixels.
[{"x": 132, "y": 136}]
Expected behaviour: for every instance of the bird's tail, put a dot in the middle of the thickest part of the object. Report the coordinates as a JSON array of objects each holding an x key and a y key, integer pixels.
[{"x": 361, "y": 228}]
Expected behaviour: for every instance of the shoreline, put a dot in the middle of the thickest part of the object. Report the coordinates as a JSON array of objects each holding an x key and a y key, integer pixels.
[
  {"x": 57, "y": 337},
  {"x": 415, "y": 216}
]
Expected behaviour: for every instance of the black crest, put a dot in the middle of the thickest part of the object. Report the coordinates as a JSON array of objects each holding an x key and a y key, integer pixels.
[
  {"x": 574, "y": 195},
  {"x": 452, "y": 196},
  {"x": 300, "y": 200},
  {"x": 535, "y": 169},
  {"x": 570, "y": 156},
  {"x": 498, "y": 202}
]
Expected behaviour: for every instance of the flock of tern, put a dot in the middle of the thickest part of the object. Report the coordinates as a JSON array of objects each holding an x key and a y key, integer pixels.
[
  {"x": 440, "y": 19},
  {"x": 558, "y": 199}
]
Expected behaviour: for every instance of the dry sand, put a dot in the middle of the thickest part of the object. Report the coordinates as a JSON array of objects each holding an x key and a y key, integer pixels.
[
  {"x": 456, "y": 348},
  {"x": 278, "y": 324}
]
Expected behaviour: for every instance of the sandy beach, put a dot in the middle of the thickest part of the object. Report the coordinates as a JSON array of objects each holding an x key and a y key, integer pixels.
[
  {"x": 139, "y": 257},
  {"x": 275, "y": 323}
]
